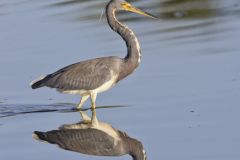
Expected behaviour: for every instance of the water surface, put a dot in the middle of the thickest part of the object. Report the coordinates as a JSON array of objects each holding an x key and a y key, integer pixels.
[{"x": 183, "y": 99}]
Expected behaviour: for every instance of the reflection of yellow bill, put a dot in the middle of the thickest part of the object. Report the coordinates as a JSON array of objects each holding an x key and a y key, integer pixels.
[{"x": 129, "y": 7}]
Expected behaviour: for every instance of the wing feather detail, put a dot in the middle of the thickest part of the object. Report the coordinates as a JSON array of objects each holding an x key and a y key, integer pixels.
[
  {"x": 85, "y": 75},
  {"x": 86, "y": 141}
]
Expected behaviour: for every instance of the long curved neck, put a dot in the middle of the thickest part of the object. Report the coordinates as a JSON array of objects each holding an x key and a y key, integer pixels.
[
  {"x": 135, "y": 148},
  {"x": 133, "y": 57}
]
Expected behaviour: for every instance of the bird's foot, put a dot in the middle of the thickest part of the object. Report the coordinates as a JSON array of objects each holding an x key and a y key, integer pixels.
[{"x": 79, "y": 108}]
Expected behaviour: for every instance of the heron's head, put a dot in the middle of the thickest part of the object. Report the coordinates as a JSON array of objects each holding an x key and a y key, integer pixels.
[
  {"x": 123, "y": 5},
  {"x": 141, "y": 155},
  {"x": 137, "y": 151}
]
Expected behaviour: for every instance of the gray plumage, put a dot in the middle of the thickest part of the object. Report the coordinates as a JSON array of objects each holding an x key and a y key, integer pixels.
[
  {"x": 91, "y": 74},
  {"x": 87, "y": 75},
  {"x": 88, "y": 141},
  {"x": 93, "y": 141},
  {"x": 90, "y": 77}
]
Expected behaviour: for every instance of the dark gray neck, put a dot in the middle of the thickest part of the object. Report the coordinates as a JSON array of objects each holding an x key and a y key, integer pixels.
[
  {"x": 132, "y": 59},
  {"x": 135, "y": 149}
]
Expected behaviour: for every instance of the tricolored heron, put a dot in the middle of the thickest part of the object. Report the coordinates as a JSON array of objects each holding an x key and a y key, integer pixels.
[
  {"x": 90, "y": 77},
  {"x": 103, "y": 140}
]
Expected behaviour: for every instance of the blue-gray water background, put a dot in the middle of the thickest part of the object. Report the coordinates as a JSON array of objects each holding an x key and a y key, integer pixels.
[{"x": 184, "y": 99}]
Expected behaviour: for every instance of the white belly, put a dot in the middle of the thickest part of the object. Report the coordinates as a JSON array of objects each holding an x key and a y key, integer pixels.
[
  {"x": 105, "y": 127},
  {"x": 106, "y": 86}
]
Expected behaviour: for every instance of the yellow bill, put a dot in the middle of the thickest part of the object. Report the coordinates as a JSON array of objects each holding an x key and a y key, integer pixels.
[{"x": 128, "y": 7}]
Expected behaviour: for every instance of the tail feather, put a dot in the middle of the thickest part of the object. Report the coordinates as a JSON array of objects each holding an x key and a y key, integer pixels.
[
  {"x": 45, "y": 137},
  {"x": 40, "y": 82},
  {"x": 41, "y": 136}
]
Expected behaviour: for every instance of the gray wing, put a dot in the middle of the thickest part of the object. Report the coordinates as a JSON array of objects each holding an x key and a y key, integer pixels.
[
  {"x": 86, "y": 141},
  {"x": 85, "y": 75}
]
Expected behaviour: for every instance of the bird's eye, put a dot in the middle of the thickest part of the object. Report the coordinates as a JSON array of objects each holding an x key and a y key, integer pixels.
[{"x": 126, "y": 5}]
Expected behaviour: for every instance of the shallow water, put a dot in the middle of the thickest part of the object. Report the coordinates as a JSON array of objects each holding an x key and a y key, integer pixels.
[{"x": 183, "y": 100}]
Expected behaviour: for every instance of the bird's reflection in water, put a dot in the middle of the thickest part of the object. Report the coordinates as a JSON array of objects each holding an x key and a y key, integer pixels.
[{"x": 100, "y": 140}]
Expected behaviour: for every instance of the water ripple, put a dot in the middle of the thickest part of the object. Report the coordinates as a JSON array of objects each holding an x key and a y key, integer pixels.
[{"x": 7, "y": 110}]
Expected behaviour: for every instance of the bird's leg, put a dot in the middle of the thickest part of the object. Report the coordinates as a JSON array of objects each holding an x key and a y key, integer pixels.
[
  {"x": 94, "y": 118},
  {"x": 85, "y": 117},
  {"x": 83, "y": 99},
  {"x": 94, "y": 115},
  {"x": 93, "y": 100}
]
